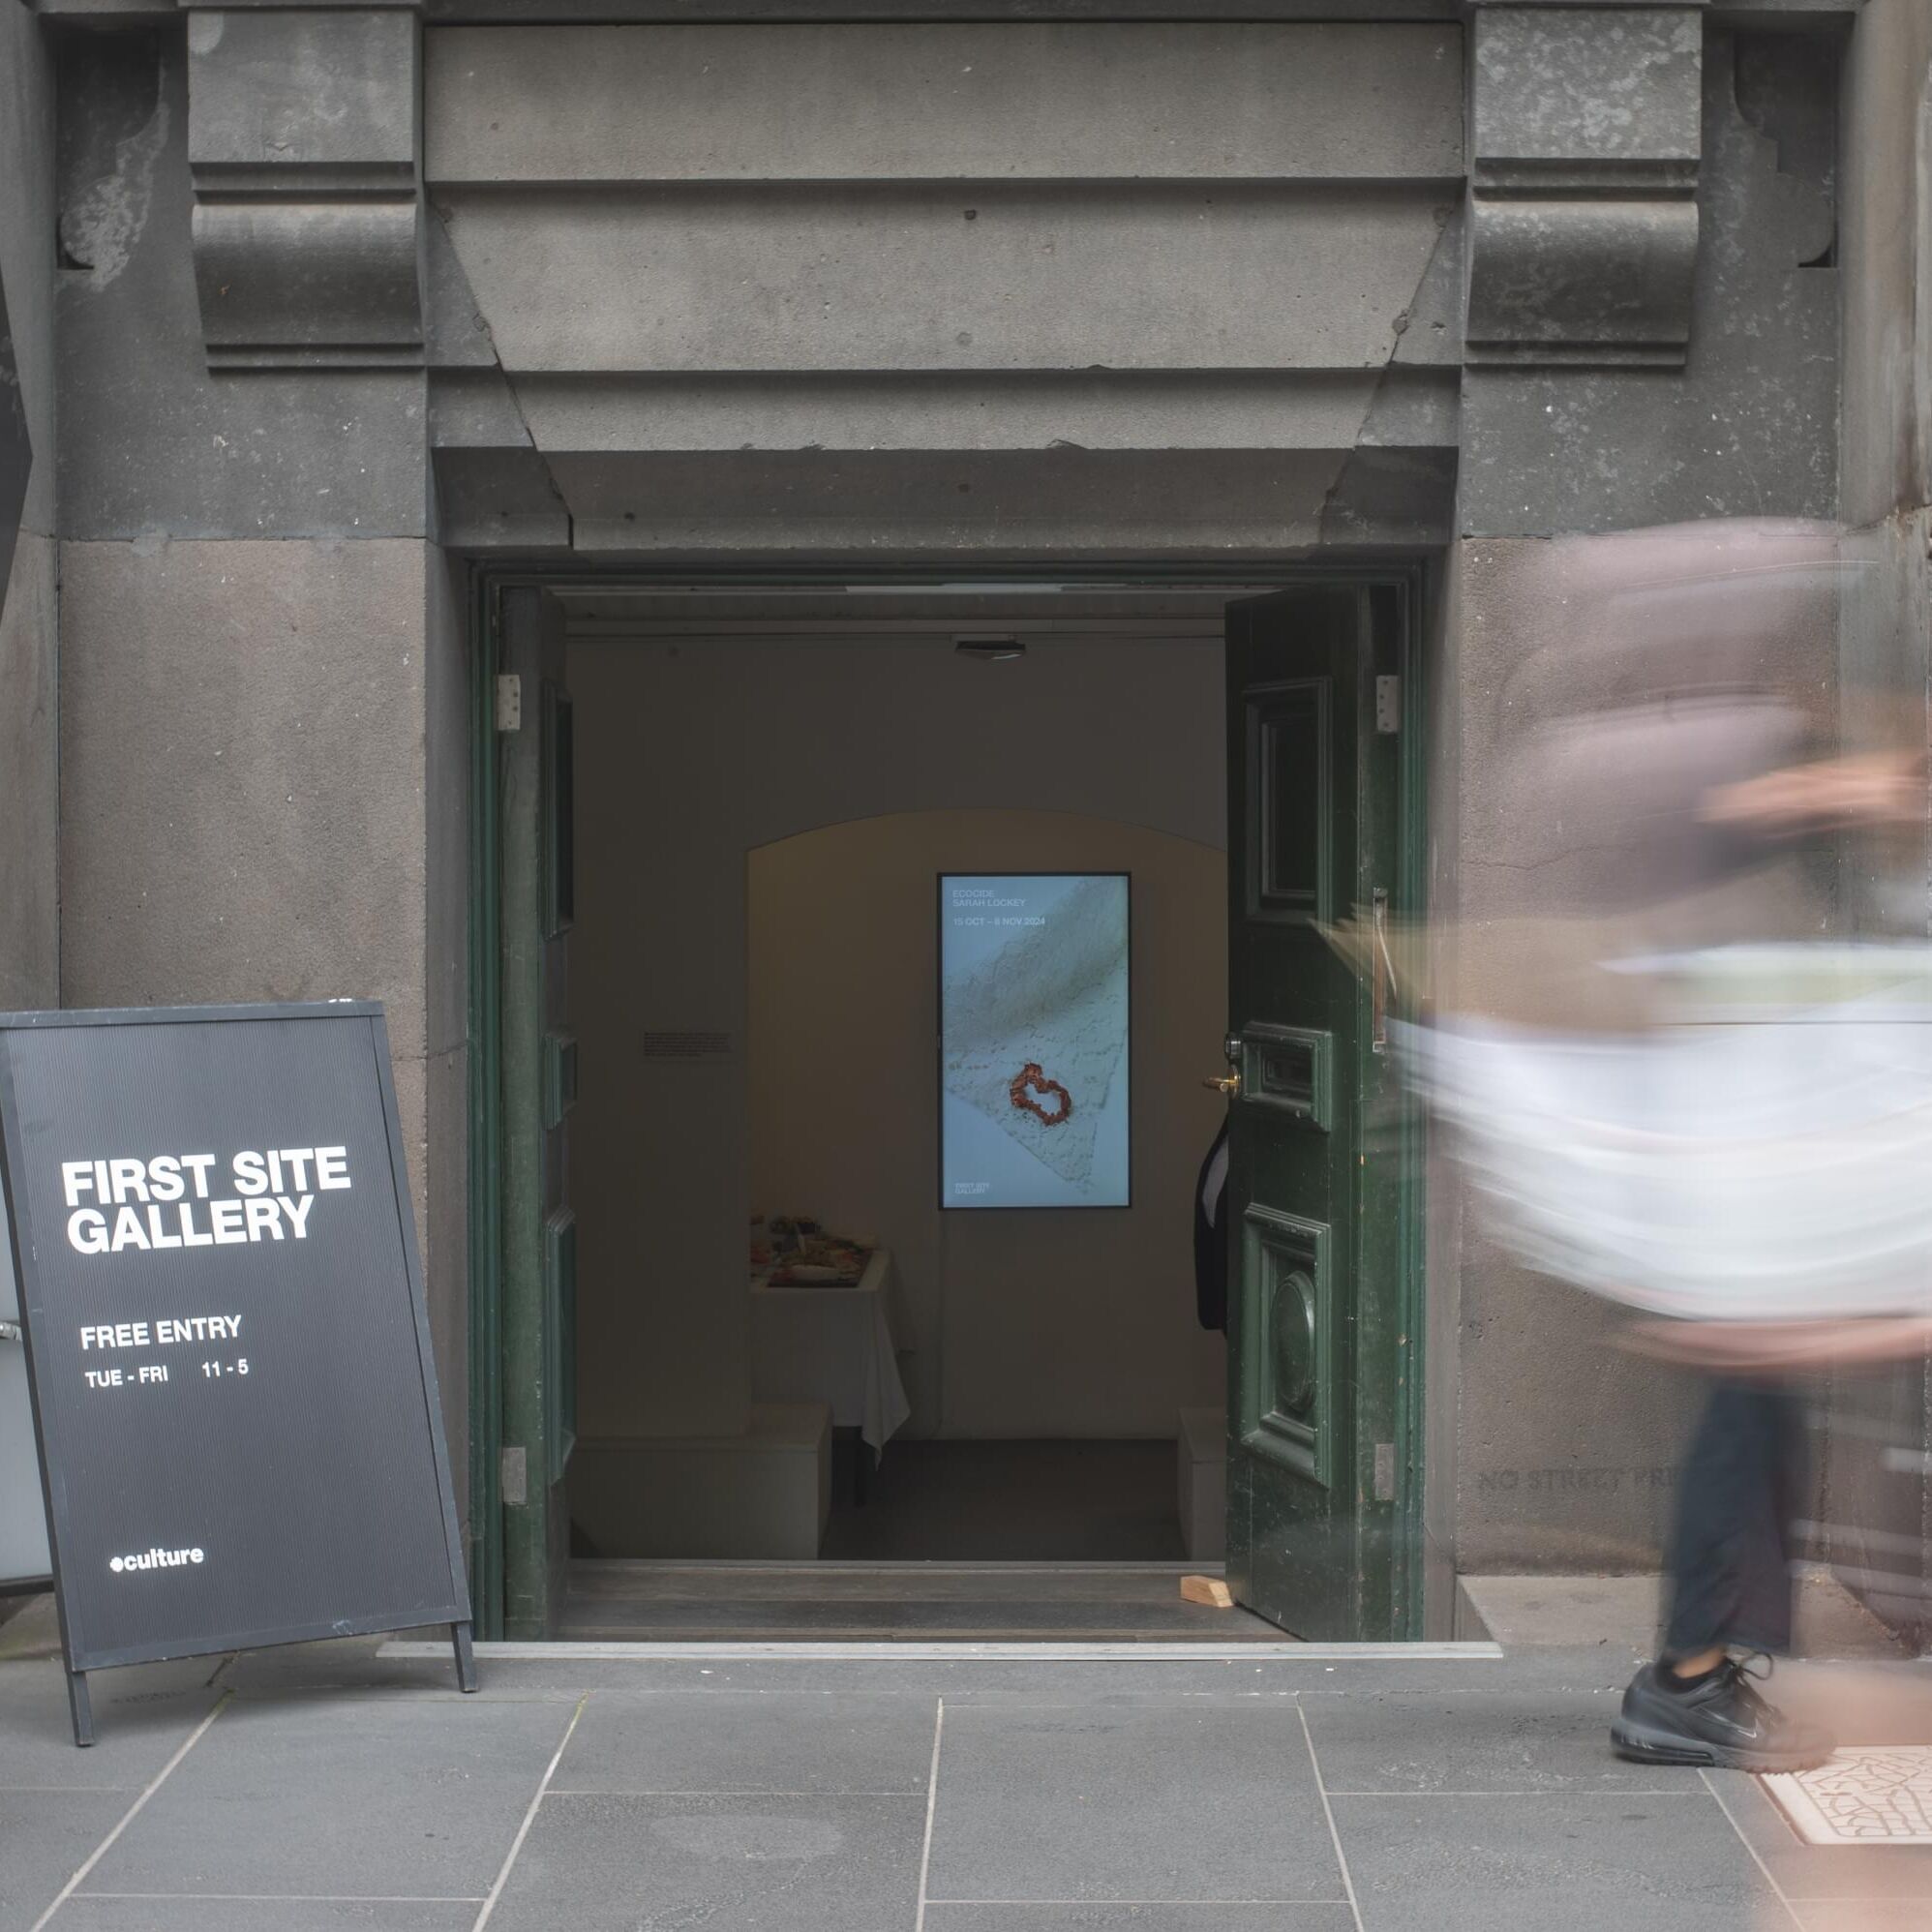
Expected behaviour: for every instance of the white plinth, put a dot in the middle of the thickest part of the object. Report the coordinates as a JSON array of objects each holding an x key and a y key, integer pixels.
[{"x": 1201, "y": 1449}]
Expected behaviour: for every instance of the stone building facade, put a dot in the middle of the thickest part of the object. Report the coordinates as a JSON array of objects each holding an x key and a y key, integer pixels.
[{"x": 319, "y": 313}]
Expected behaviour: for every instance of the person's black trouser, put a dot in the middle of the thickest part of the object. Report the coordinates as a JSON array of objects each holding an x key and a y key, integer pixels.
[{"x": 1738, "y": 1494}]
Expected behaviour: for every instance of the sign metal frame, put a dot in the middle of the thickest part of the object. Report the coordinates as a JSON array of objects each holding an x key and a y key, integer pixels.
[{"x": 455, "y": 1611}]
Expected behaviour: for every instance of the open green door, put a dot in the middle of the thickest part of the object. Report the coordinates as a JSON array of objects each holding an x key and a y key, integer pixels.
[
  {"x": 538, "y": 1071},
  {"x": 1320, "y": 1464}
]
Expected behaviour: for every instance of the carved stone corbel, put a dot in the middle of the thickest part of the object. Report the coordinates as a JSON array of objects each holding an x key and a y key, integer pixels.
[
  {"x": 304, "y": 143},
  {"x": 1586, "y": 128}
]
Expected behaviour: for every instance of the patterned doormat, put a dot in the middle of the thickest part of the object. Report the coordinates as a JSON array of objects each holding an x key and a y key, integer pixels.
[{"x": 1875, "y": 1794}]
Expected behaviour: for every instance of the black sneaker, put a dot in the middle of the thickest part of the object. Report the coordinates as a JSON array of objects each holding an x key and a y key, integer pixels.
[{"x": 1720, "y": 1721}]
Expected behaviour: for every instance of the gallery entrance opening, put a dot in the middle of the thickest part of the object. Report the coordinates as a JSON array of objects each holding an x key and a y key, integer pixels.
[{"x": 873, "y": 996}]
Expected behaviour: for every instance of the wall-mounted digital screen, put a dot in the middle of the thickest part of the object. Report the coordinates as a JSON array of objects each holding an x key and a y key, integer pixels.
[{"x": 1033, "y": 1039}]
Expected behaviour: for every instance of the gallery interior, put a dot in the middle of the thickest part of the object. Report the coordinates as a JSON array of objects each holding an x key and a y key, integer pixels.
[{"x": 1015, "y": 1419}]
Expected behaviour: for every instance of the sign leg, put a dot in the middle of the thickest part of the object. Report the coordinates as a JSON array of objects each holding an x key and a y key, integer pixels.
[
  {"x": 465, "y": 1658},
  {"x": 82, "y": 1706}
]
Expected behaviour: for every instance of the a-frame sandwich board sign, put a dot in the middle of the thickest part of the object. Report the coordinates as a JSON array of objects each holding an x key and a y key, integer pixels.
[{"x": 228, "y": 1342}]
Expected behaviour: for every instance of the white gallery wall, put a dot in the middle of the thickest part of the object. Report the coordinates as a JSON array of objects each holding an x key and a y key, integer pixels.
[{"x": 691, "y": 755}]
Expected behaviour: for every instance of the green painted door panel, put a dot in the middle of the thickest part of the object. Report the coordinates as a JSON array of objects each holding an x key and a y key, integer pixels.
[
  {"x": 538, "y": 1242},
  {"x": 1315, "y": 1250}
]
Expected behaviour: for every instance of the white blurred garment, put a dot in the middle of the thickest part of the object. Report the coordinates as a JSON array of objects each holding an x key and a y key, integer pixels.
[{"x": 1764, "y": 1156}]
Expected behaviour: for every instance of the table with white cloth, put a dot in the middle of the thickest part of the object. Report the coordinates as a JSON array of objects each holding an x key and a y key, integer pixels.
[{"x": 835, "y": 1346}]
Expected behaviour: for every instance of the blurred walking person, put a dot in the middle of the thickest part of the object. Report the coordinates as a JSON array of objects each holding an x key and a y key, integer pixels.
[{"x": 1672, "y": 1088}]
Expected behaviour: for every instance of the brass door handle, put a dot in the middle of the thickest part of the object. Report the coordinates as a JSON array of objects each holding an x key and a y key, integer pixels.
[{"x": 1228, "y": 1084}]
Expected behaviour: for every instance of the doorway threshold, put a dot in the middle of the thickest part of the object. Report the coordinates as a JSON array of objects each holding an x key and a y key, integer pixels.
[
  {"x": 650, "y": 1609},
  {"x": 645, "y": 1601},
  {"x": 958, "y": 1651}
]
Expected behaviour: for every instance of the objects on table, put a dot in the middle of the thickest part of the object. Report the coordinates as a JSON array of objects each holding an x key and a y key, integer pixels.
[{"x": 790, "y": 1250}]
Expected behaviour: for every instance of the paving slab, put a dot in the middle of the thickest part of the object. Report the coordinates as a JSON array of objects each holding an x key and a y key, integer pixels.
[
  {"x": 319, "y": 1798},
  {"x": 356, "y": 1664},
  {"x": 1522, "y": 1612},
  {"x": 87, "y": 1914},
  {"x": 45, "y": 1837},
  {"x": 1194, "y": 1804},
  {"x": 680, "y": 1741},
  {"x": 1451, "y": 1862},
  {"x": 605, "y": 1863},
  {"x": 1858, "y": 1914},
  {"x": 1073, "y": 1797},
  {"x": 140, "y": 1718},
  {"x": 991, "y": 1677},
  {"x": 1568, "y": 1610},
  {"x": 1802, "y": 1871},
  {"x": 1122, "y": 1917},
  {"x": 1504, "y": 1740}
]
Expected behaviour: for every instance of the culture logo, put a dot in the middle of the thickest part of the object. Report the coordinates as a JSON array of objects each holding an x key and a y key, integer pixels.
[{"x": 156, "y": 1560}]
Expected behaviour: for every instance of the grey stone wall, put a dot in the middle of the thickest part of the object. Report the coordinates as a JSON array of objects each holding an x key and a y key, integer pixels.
[
  {"x": 263, "y": 768},
  {"x": 29, "y": 578},
  {"x": 1882, "y": 1512},
  {"x": 670, "y": 304},
  {"x": 27, "y": 259},
  {"x": 154, "y": 444},
  {"x": 243, "y": 775},
  {"x": 29, "y": 780},
  {"x": 1566, "y": 1444},
  {"x": 1746, "y": 425},
  {"x": 265, "y": 731}
]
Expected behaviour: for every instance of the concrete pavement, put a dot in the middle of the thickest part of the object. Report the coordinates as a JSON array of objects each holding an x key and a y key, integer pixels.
[{"x": 327, "y": 1787}]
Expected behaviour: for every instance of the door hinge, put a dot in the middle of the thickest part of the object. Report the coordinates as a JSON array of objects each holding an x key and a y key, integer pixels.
[
  {"x": 1388, "y": 704},
  {"x": 509, "y": 702},
  {"x": 1385, "y": 1472},
  {"x": 516, "y": 1477}
]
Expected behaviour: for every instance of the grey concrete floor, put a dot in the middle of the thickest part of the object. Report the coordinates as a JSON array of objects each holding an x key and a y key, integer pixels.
[
  {"x": 1018, "y": 1501},
  {"x": 329, "y": 1787}
]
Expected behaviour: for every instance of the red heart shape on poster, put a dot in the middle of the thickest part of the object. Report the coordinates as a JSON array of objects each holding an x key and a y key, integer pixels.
[{"x": 1030, "y": 1086}]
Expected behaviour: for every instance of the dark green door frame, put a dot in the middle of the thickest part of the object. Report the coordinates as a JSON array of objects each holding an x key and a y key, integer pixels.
[
  {"x": 486, "y": 1118},
  {"x": 1408, "y": 580}
]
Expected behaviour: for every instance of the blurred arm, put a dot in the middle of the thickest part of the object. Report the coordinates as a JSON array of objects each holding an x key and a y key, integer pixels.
[{"x": 1877, "y": 788}]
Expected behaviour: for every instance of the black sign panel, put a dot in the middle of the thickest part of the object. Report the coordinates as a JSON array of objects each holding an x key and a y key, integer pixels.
[{"x": 226, "y": 1336}]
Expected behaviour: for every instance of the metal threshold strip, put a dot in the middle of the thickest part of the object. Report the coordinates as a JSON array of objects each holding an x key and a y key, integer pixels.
[{"x": 990, "y": 1651}]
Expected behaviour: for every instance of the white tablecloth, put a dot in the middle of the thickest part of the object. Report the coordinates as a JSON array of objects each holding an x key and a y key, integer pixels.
[{"x": 833, "y": 1345}]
